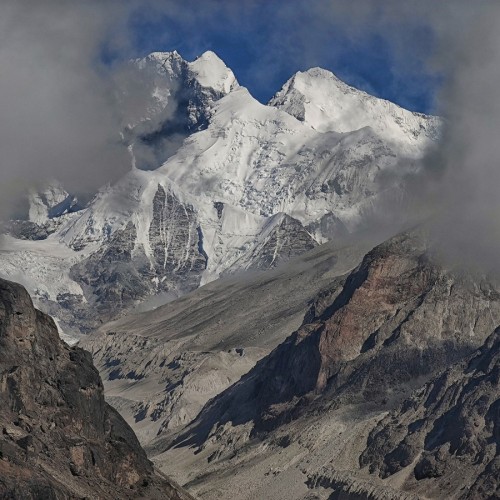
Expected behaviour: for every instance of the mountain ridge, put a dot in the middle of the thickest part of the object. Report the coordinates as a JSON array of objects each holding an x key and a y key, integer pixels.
[
  {"x": 326, "y": 103},
  {"x": 216, "y": 161},
  {"x": 306, "y": 413}
]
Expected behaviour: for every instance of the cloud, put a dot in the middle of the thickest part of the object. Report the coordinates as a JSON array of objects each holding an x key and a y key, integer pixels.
[
  {"x": 57, "y": 114},
  {"x": 456, "y": 189},
  {"x": 463, "y": 175}
]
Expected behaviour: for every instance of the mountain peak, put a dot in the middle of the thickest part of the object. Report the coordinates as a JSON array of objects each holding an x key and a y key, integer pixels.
[
  {"x": 312, "y": 81},
  {"x": 318, "y": 72},
  {"x": 327, "y": 104},
  {"x": 165, "y": 56},
  {"x": 209, "y": 55},
  {"x": 211, "y": 71},
  {"x": 208, "y": 69}
]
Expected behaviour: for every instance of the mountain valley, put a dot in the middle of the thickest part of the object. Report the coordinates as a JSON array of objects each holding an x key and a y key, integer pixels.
[{"x": 262, "y": 309}]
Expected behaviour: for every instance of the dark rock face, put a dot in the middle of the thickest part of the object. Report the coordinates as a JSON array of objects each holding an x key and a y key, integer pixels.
[
  {"x": 112, "y": 278},
  {"x": 27, "y": 230},
  {"x": 289, "y": 239},
  {"x": 283, "y": 239},
  {"x": 120, "y": 275},
  {"x": 219, "y": 206},
  {"x": 59, "y": 438},
  {"x": 379, "y": 333},
  {"x": 397, "y": 318},
  {"x": 176, "y": 241},
  {"x": 448, "y": 433}
]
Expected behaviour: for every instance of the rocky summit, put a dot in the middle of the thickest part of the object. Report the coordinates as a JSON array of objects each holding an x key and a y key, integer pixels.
[{"x": 59, "y": 438}]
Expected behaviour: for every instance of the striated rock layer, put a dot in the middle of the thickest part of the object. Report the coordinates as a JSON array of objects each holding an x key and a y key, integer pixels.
[{"x": 59, "y": 438}]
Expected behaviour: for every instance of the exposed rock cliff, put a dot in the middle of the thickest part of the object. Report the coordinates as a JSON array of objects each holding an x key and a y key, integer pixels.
[
  {"x": 314, "y": 411},
  {"x": 390, "y": 325},
  {"x": 447, "y": 436},
  {"x": 59, "y": 438}
]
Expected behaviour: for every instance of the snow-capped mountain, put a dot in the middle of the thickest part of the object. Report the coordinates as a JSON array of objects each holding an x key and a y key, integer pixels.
[
  {"x": 163, "y": 99},
  {"x": 218, "y": 183},
  {"x": 318, "y": 98}
]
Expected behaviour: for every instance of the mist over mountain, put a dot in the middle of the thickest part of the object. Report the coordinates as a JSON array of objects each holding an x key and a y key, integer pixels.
[
  {"x": 294, "y": 297},
  {"x": 219, "y": 183}
]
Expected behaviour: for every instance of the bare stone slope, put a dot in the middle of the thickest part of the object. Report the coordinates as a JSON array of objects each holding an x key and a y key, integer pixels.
[
  {"x": 447, "y": 436},
  {"x": 310, "y": 420}
]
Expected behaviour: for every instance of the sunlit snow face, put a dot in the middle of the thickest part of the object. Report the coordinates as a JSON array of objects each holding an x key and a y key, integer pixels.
[{"x": 59, "y": 114}]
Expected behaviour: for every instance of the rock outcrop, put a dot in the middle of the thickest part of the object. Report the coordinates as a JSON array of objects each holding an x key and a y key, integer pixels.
[
  {"x": 378, "y": 334},
  {"x": 112, "y": 280},
  {"x": 120, "y": 274},
  {"x": 447, "y": 436},
  {"x": 283, "y": 239},
  {"x": 59, "y": 438}
]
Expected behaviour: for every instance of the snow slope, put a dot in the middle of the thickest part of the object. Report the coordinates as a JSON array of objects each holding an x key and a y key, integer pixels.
[
  {"x": 318, "y": 98},
  {"x": 219, "y": 182},
  {"x": 211, "y": 72}
]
